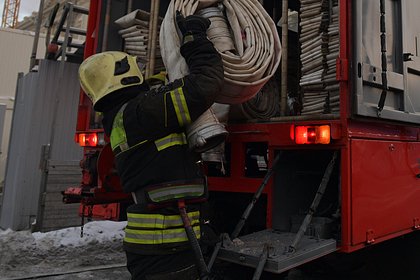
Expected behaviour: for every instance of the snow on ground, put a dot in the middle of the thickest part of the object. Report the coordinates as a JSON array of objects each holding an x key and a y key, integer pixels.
[{"x": 23, "y": 253}]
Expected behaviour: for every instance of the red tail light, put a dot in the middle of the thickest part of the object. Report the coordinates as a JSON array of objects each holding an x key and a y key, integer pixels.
[
  {"x": 89, "y": 139},
  {"x": 315, "y": 134}
]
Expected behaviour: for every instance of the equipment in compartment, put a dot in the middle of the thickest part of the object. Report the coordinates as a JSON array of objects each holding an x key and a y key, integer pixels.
[
  {"x": 135, "y": 33},
  {"x": 319, "y": 38}
]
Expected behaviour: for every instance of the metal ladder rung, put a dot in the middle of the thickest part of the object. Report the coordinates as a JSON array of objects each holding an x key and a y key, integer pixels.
[
  {"x": 74, "y": 55},
  {"x": 71, "y": 45},
  {"x": 80, "y": 10},
  {"x": 74, "y": 30}
]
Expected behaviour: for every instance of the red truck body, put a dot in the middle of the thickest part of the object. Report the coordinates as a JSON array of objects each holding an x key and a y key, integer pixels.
[{"x": 378, "y": 173}]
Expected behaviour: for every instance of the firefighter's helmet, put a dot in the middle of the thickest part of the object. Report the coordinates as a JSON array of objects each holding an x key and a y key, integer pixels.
[{"x": 107, "y": 72}]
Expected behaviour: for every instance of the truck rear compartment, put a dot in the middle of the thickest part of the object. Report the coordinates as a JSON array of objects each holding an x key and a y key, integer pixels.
[{"x": 314, "y": 53}]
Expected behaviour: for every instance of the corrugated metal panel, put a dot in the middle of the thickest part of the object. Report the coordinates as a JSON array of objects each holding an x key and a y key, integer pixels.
[
  {"x": 45, "y": 113},
  {"x": 56, "y": 214},
  {"x": 16, "y": 48}
]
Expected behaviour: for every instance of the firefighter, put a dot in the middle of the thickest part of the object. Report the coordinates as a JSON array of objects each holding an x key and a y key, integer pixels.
[{"x": 146, "y": 128}]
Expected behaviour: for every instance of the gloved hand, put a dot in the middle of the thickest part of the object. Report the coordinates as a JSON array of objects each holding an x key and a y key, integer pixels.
[{"x": 192, "y": 25}]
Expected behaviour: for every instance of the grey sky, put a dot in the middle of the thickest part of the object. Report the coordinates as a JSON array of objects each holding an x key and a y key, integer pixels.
[{"x": 26, "y": 7}]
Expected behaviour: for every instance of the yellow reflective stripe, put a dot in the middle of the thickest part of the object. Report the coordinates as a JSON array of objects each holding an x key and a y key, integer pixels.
[
  {"x": 159, "y": 226},
  {"x": 118, "y": 136},
  {"x": 157, "y": 237},
  {"x": 180, "y": 106},
  {"x": 166, "y": 110},
  {"x": 160, "y": 216},
  {"x": 172, "y": 192},
  {"x": 184, "y": 104},
  {"x": 160, "y": 221},
  {"x": 171, "y": 140}
]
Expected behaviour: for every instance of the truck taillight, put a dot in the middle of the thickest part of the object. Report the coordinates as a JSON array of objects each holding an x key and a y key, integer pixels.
[
  {"x": 314, "y": 134},
  {"x": 90, "y": 139}
]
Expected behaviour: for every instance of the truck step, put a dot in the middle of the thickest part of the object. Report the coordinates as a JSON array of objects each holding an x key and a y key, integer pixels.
[{"x": 249, "y": 249}]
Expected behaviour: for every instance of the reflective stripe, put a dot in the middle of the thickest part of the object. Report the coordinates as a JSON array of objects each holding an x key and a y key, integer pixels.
[
  {"x": 180, "y": 106},
  {"x": 119, "y": 142},
  {"x": 174, "y": 192},
  {"x": 118, "y": 136},
  {"x": 157, "y": 237},
  {"x": 158, "y": 221},
  {"x": 171, "y": 140}
]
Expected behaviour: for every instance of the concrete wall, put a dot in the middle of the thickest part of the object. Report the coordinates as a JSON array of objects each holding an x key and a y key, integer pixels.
[{"x": 16, "y": 49}]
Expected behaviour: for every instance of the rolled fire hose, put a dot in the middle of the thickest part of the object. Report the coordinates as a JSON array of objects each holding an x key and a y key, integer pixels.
[
  {"x": 250, "y": 56},
  {"x": 217, "y": 154},
  {"x": 263, "y": 106}
]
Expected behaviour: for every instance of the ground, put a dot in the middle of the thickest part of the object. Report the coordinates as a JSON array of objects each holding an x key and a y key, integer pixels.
[
  {"x": 24, "y": 255},
  {"x": 64, "y": 255}
]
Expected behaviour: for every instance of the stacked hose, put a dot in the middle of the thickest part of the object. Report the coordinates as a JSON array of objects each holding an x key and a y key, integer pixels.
[
  {"x": 319, "y": 50},
  {"x": 242, "y": 32},
  {"x": 135, "y": 32},
  {"x": 262, "y": 106}
]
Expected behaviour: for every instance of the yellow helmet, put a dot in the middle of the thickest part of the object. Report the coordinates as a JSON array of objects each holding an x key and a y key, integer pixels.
[{"x": 104, "y": 73}]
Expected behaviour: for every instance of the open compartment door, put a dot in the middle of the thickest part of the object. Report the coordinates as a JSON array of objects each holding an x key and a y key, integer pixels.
[
  {"x": 386, "y": 61},
  {"x": 411, "y": 45}
]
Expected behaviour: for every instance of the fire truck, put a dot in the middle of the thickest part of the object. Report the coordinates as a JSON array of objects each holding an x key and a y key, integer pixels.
[{"x": 336, "y": 172}]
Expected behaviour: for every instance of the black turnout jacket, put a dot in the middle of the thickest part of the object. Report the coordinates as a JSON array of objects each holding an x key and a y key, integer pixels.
[{"x": 151, "y": 116}]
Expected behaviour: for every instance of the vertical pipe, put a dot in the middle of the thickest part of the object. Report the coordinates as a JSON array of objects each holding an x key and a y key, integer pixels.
[
  {"x": 106, "y": 26},
  {"x": 129, "y": 6},
  {"x": 284, "y": 59},
  {"x": 149, "y": 42},
  {"x": 154, "y": 19},
  {"x": 97, "y": 118},
  {"x": 36, "y": 38}
]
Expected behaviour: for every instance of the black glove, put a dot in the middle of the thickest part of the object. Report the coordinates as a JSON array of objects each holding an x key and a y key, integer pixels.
[{"x": 192, "y": 25}]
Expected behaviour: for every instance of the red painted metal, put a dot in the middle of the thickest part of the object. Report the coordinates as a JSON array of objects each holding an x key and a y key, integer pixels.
[
  {"x": 108, "y": 187},
  {"x": 85, "y": 105},
  {"x": 102, "y": 211},
  {"x": 108, "y": 179},
  {"x": 382, "y": 131},
  {"x": 342, "y": 69},
  {"x": 91, "y": 28},
  {"x": 392, "y": 205},
  {"x": 345, "y": 113}
]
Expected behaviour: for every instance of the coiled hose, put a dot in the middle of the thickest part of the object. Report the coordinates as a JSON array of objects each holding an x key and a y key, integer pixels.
[{"x": 246, "y": 38}]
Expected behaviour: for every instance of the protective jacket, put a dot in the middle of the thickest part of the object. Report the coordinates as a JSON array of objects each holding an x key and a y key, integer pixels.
[
  {"x": 147, "y": 137},
  {"x": 147, "y": 132}
]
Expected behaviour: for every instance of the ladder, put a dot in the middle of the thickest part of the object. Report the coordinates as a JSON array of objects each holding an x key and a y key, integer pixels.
[{"x": 64, "y": 26}]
